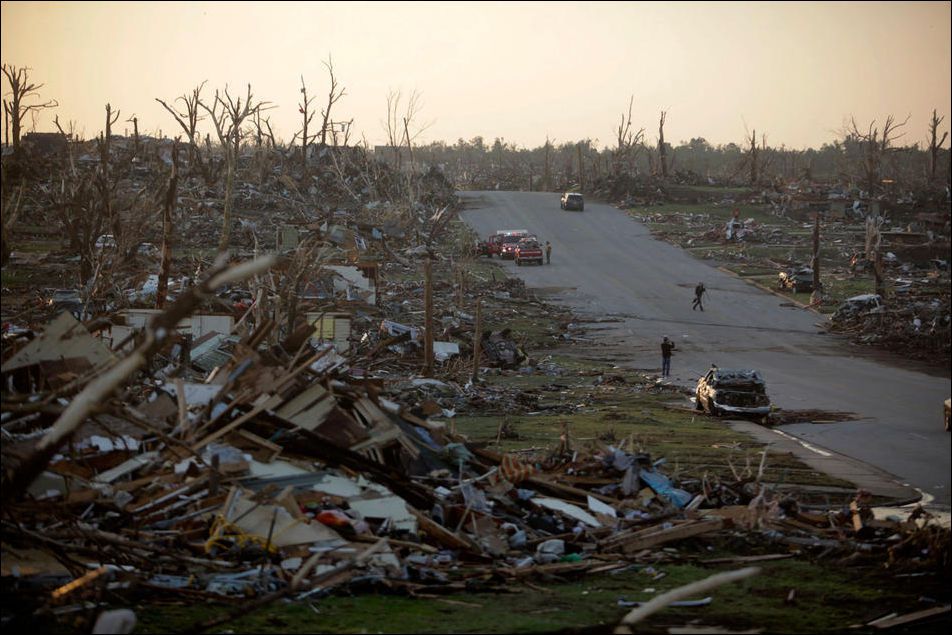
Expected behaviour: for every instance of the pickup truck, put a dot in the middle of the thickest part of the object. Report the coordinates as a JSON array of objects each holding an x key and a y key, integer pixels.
[
  {"x": 528, "y": 250},
  {"x": 496, "y": 242}
]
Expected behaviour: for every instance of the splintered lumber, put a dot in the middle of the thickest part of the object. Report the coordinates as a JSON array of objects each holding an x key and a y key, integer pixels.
[
  {"x": 744, "y": 559},
  {"x": 543, "y": 484},
  {"x": 891, "y": 621},
  {"x": 441, "y": 534},
  {"x": 555, "y": 568},
  {"x": 648, "y": 538},
  {"x": 674, "y": 595},
  {"x": 100, "y": 389},
  {"x": 296, "y": 581}
]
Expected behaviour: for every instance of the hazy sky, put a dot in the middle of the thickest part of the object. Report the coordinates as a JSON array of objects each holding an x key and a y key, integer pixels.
[{"x": 520, "y": 71}]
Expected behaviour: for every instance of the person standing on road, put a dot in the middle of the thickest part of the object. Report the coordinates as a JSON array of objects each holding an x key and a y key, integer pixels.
[
  {"x": 548, "y": 253},
  {"x": 698, "y": 292},
  {"x": 666, "y": 347}
]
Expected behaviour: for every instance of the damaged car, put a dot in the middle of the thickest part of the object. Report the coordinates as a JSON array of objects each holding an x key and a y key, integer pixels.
[
  {"x": 799, "y": 280},
  {"x": 733, "y": 392},
  {"x": 859, "y": 305}
]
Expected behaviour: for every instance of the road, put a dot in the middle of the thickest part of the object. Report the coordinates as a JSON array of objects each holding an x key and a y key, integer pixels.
[{"x": 607, "y": 265}]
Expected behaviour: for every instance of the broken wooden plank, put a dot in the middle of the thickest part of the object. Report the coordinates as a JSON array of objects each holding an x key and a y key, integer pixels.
[
  {"x": 441, "y": 534},
  {"x": 658, "y": 537}
]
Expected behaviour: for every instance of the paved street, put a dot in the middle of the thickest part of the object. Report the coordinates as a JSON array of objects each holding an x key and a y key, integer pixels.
[{"x": 607, "y": 265}]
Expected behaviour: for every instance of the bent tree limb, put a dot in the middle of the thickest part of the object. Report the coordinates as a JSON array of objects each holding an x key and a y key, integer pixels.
[{"x": 674, "y": 595}]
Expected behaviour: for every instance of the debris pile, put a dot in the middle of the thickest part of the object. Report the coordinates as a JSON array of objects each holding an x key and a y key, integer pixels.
[{"x": 290, "y": 471}]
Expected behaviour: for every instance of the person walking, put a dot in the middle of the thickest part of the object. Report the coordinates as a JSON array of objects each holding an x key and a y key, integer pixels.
[
  {"x": 666, "y": 347},
  {"x": 548, "y": 253},
  {"x": 698, "y": 292}
]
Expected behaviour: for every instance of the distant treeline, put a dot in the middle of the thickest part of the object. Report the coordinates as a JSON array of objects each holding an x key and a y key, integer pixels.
[{"x": 475, "y": 163}]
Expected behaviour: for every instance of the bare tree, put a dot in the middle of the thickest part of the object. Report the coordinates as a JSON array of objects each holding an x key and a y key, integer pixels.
[
  {"x": 662, "y": 151},
  {"x": 106, "y": 185},
  {"x": 934, "y": 143},
  {"x": 405, "y": 127},
  {"x": 21, "y": 89},
  {"x": 392, "y": 126},
  {"x": 11, "y": 209},
  {"x": 753, "y": 157},
  {"x": 629, "y": 143},
  {"x": 306, "y": 115},
  {"x": 74, "y": 201},
  {"x": 333, "y": 96},
  {"x": 135, "y": 132},
  {"x": 875, "y": 146},
  {"x": 188, "y": 120},
  {"x": 168, "y": 208},
  {"x": 228, "y": 115}
]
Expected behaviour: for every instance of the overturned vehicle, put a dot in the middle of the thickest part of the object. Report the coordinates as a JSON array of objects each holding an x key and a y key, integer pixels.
[{"x": 736, "y": 392}]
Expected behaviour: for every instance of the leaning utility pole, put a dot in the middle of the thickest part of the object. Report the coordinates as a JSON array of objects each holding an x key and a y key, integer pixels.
[
  {"x": 817, "y": 294},
  {"x": 581, "y": 169},
  {"x": 547, "y": 175},
  {"x": 477, "y": 339},
  {"x": 428, "y": 320}
]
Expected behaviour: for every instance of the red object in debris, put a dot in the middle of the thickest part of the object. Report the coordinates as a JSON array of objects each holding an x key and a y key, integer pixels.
[{"x": 333, "y": 518}]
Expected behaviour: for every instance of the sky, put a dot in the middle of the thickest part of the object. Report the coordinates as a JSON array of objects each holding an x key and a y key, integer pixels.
[{"x": 522, "y": 71}]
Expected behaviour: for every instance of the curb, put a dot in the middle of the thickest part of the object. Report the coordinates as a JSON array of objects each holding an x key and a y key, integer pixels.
[
  {"x": 861, "y": 474},
  {"x": 774, "y": 292}
]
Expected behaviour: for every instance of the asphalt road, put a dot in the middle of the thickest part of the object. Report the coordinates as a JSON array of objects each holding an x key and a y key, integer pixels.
[{"x": 606, "y": 265}]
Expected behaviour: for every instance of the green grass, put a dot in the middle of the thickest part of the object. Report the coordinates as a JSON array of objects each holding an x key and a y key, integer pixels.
[
  {"x": 692, "y": 443},
  {"x": 828, "y": 598}
]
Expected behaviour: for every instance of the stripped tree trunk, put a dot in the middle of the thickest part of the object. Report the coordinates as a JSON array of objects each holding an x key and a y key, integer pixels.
[{"x": 167, "y": 210}]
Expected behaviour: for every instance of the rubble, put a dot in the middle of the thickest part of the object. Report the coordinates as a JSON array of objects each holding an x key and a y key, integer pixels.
[
  {"x": 273, "y": 476},
  {"x": 269, "y": 432}
]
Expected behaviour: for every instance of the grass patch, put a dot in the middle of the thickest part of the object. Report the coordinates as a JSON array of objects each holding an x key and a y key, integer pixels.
[{"x": 828, "y": 599}]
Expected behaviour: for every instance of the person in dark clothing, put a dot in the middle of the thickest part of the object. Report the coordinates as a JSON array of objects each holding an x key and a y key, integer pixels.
[
  {"x": 548, "y": 252},
  {"x": 666, "y": 347},
  {"x": 698, "y": 292}
]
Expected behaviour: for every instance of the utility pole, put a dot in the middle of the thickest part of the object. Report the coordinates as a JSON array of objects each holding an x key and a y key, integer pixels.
[
  {"x": 815, "y": 264},
  {"x": 581, "y": 170},
  {"x": 428, "y": 319},
  {"x": 548, "y": 175},
  {"x": 477, "y": 339}
]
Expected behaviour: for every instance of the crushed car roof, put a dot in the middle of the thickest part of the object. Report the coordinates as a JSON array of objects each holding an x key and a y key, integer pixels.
[{"x": 739, "y": 375}]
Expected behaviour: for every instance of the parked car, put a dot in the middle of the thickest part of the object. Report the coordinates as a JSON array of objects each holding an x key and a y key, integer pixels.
[
  {"x": 528, "y": 250},
  {"x": 858, "y": 305},
  {"x": 573, "y": 201},
  {"x": 66, "y": 300},
  {"x": 800, "y": 280},
  {"x": 147, "y": 249},
  {"x": 739, "y": 392},
  {"x": 947, "y": 412},
  {"x": 106, "y": 241}
]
